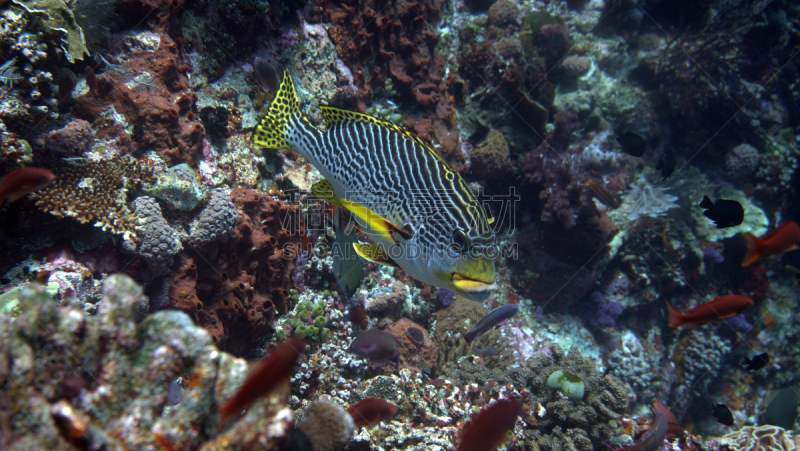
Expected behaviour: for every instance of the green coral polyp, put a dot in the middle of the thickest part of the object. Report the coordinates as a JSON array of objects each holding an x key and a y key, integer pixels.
[{"x": 571, "y": 385}]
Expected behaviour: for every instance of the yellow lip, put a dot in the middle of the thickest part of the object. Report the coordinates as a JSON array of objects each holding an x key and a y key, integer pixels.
[{"x": 468, "y": 285}]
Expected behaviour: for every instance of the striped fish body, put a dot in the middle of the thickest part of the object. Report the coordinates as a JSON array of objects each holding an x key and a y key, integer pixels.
[{"x": 419, "y": 213}]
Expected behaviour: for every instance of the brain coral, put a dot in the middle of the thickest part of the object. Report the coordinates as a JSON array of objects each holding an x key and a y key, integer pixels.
[
  {"x": 95, "y": 192},
  {"x": 761, "y": 438}
]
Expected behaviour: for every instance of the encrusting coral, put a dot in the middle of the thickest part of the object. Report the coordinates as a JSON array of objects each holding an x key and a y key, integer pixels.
[{"x": 95, "y": 192}]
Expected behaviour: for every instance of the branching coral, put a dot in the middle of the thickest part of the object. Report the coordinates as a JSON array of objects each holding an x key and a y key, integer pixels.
[{"x": 95, "y": 193}]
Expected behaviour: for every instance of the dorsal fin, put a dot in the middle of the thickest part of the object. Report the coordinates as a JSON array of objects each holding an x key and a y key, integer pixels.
[{"x": 335, "y": 115}]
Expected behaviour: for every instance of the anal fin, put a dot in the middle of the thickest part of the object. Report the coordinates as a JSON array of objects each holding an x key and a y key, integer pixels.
[{"x": 373, "y": 253}]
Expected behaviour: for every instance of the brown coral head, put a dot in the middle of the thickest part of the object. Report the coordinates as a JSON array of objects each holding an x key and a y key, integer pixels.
[{"x": 416, "y": 335}]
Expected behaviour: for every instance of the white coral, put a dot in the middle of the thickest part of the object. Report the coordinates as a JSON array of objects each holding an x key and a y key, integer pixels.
[{"x": 644, "y": 200}]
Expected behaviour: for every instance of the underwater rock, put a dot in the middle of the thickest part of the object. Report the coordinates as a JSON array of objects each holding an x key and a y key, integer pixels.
[
  {"x": 72, "y": 140},
  {"x": 179, "y": 187}
]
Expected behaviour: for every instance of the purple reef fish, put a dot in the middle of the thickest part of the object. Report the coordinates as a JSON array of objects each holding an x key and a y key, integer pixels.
[
  {"x": 378, "y": 346},
  {"x": 495, "y": 318}
]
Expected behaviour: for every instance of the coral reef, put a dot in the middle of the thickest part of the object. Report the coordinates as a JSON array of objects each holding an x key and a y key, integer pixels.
[
  {"x": 234, "y": 289},
  {"x": 399, "y": 41},
  {"x": 179, "y": 187},
  {"x": 644, "y": 200},
  {"x": 95, "y": 193},
  {"x": 697, "y": 356},
  {"x": 456, "y": 320},
  {"x": 760, "y": 438},
  {"x": 413, "y": 353},
  {"x": 217, "y": 220},
  {"x": 491, "y": 160},
  {"x": 157, "y": 243},
  {"x": 105, "y": 379},
  {"x": 741, "y": 161}
]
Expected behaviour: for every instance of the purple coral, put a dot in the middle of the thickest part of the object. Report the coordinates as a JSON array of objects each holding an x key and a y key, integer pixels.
[
  {"x": 606, "y": 313},
  {"x": 445, "y": 297},
  {"x": 713, "y": 255}
]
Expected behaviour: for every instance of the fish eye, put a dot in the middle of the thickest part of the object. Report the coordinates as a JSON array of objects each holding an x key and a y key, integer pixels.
[{"x": 459, "y": 241}]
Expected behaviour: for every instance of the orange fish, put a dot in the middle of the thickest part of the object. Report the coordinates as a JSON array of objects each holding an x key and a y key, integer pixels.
[
  {"x": 21, "y": 182},
  {"x": 267, "y": 375},
  {"x": 785, "y": 238},
  {"x": 718, "y": 309},
  {"x": 371, "y": 411},
  {"x": 487, "y": 431}
]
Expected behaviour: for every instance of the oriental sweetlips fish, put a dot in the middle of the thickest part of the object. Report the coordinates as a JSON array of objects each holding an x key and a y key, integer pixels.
[
  {"x": 718, "y": 309},
  {"x": 420, "y": 214},
  {"x": 21, "y": 182}
]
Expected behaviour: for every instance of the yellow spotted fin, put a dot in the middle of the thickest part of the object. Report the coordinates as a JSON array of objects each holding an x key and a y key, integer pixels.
[{"x": 273, "y": 129}]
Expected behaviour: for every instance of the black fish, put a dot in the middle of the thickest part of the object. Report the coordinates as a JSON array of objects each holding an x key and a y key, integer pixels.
[
  {"x": 723, "y": 414},
  {"x": 666, "y": 164},
  {"x": 782, "y": 410},
  {"x": 632, "y": 144},
  {"x": 724, "y": 213},
  {"x": 266, "y": 74},
  {"x": 757, "y": 362}
]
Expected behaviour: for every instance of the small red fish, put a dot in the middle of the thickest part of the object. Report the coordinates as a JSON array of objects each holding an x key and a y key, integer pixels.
[
  {"x": 654, "y": 437},
  {"x": 673, "y": 428},
  {"x": 371, "y": 411},
  {"x": 785, "y": 238},
  {"x": 21, "y": 182},
  {"x": 718, "y": 309},
  {"x": 274, "y": 369},
  {"x": 488, "y": 429}
]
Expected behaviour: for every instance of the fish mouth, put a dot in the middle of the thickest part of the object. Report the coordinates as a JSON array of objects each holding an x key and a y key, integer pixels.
[{"x": 472, "y": 286}]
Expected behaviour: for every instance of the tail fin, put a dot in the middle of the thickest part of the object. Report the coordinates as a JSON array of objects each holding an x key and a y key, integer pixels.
[
  {"x": 272, "y": 131},
  {"x": 675, "y": 317},
  {"x": 706, "y": 203},
  {"x": 755, "y": 249},
  {"x": 469, "y": 336}
]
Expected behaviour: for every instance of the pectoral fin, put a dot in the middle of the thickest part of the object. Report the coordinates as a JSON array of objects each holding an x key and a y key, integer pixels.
[
  {"x": 385, "y": 228},
  {"x": 374, "y": 253}
]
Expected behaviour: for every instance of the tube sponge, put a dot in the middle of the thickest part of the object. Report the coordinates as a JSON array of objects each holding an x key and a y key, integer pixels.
[{"x": 327, "y": 425}]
